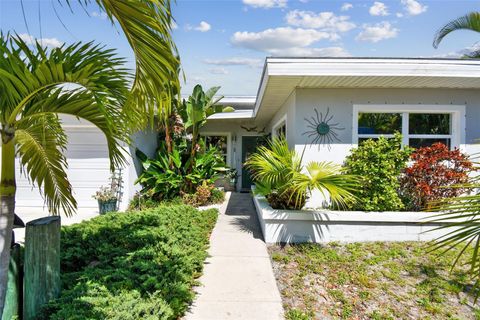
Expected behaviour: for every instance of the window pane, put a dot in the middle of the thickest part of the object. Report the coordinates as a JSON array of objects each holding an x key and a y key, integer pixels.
[
  {"x": 218, "y": 141},
  {"x": 379, "y": 123},
  {"x": 281, "y": 131},
  {"x": 429, "y": 123},
  {"x": 419, "y": 143}
]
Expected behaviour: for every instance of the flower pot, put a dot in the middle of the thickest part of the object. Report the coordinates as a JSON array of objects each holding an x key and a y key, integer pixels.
[{"x": 107, "y": 206}]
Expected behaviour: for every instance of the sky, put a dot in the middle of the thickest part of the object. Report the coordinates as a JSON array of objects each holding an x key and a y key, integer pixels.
[{"x": 225, "y": 42}]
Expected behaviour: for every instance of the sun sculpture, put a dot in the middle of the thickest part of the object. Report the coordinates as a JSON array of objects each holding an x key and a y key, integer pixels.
[{"x": 323, "y": 131}]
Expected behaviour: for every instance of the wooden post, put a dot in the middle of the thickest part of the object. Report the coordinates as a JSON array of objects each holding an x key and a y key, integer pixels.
[
  {"x": 14, "y": 288},
  {"x": 42, "y": 264}
]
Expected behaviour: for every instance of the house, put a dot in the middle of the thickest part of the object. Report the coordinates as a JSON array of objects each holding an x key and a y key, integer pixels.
[{"x": 324, "y": 106}]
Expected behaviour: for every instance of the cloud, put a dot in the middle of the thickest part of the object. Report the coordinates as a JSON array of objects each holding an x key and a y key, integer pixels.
[
  {"x": 235, "y": 61},
  {"x": 48, "y": 42},
  {"x": 325, "y": 21},
  {"x": 203, "y": 26},
  {"x": 399, "y": 15},
  {"x": 312, "y": 52},
  {"x": 271, "y": 40},
  {"x": 219, "y": 71},
  {"x": 266, "y": 4},
  {"x": 173, "y": 25},
  {"x": 346, "y": 6},
  {"x": 377, "y": 32},
  {"x": 99, "y": 15},
  {"x": 378, "y": 9},
  {"x": 459, "y": 53},
  {"x": 413, "y": 7}
]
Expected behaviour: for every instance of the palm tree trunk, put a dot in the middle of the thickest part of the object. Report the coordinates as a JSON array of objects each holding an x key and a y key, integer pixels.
[{"x": 7, "y": 208}]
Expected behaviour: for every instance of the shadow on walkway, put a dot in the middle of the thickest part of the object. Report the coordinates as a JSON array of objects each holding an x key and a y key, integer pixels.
[{"x": 241, "y": 207}]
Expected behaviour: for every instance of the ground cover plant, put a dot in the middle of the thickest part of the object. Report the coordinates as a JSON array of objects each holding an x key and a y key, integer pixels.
[
  {"x": 133, "y": 265},
  {"x": 396, "y": 280},
  {"x": 379, "y": 163}
]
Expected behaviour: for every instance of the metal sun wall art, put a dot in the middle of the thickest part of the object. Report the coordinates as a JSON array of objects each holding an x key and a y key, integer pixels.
[{"x": 323, "y": 131}]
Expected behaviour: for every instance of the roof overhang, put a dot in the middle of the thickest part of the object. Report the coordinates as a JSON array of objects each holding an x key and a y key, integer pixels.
[
  {"x": 234, "y": 115},
  {"x": 282, "y": 75}
]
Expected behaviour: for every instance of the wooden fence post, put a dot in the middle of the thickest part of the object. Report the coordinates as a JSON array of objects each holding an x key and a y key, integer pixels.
[
  {"x": 14, "y": 287},
  {"x": 42, "y": 264}
]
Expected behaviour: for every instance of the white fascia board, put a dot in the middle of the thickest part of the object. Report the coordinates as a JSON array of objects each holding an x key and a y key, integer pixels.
[{"x": 237, "y": 114}]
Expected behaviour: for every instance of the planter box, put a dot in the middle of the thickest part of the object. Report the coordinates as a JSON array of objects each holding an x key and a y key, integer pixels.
[{"x": 343, "y": 226}]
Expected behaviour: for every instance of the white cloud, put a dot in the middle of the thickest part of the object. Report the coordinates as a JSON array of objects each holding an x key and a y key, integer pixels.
[
  {"x": 219, "y": 71},
  {"x": 413, "y": 7},
  {"x": 399, "y": 15},
  {"x": 266, "y": 4},
  {"x": 278, "y": 39},
  {"x": 377, "y": 32},
  {"x": 203, "y": 26},
  {"x": 459, "y": 53},
  {"x": 48, "y": 42},
  {"x": 235, "y": 61},
  {"x": 99, "y": 15},
  {"x": 312, "y": 52},
  {"x": 378, "y": 9},
  {"x": 173, "y": 25},
  {"x": 346, "y": 6},
  {"x": 325, "y": 21}
]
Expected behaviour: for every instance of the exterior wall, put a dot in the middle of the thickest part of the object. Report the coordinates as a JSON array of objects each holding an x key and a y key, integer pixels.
[
  {"x": 341, "y": 102},
  {"x": 287, "y": 112}
]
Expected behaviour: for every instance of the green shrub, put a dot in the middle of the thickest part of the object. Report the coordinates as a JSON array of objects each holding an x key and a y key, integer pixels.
[
  {"x": 133, "y": 265},
  {"x": 204, "y": 195},
  {"x": 379, "y": 163},
  {"x": 217, "y": 196}
]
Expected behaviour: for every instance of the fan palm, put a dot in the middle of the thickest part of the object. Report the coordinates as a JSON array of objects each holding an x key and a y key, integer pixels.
[
  {"x": 470, "y": 21},
  {"x": 36, "y": 87},
  {"x": 279, "y": 175}
]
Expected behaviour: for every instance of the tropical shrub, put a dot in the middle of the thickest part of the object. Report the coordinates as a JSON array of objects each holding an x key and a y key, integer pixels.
[
  {"x": 279, "y": 175},
  {"x": 436, "y": 173},
  {"x": 204, "y": 195},
  {"x": 379, "y": 163},
  {"x": 133, "y": 265},
  {"x": 167, "y": 176}
]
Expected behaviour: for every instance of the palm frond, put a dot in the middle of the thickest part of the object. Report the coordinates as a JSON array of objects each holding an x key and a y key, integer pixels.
[
  {"x": 470, "y": 21},
  {"x": 147, "y": 27},
  {"x": 41, "y": 144}
]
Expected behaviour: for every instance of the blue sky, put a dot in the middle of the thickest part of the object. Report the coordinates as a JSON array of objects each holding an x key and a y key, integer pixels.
[{"x": 225, "y": 42}]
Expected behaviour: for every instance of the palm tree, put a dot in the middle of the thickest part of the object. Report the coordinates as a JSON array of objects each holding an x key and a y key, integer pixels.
[
  {"x": 470, "y": 21},
  {"x": 281, "y": 177},
  {"x": 36, "y": 87}
]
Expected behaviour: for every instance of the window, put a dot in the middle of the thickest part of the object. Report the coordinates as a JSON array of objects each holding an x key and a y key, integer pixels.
[
  {"x": 219, "y": 141},
  {"x": 280, "y": 128},
  {"x": 419, "y": 127}
]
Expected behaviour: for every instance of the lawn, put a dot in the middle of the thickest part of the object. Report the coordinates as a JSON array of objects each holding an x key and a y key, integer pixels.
[
  {"x": 371, "y": 281},
  {"x": 133, "y": 265}
]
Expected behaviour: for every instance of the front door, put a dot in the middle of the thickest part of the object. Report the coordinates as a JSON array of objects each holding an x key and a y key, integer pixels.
[{"x": 249, "y": 146}]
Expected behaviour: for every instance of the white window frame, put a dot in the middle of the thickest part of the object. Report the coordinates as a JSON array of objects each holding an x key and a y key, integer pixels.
[
  {"x": 278, "y": 124},
  {"x": 229, "y": 142},
  {"x": 457, "y": 116}
]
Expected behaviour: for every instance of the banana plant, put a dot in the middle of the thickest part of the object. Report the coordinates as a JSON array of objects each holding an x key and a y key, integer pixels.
[
  {"x": 38, "y": 85},
  {"x": 199, "y": 106}
]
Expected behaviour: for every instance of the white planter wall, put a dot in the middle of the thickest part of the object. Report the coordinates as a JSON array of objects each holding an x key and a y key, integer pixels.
[{"x": 343, "y": 226}]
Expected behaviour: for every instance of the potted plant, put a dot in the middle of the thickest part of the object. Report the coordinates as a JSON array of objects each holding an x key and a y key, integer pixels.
[{"x": 108, "y": 196}]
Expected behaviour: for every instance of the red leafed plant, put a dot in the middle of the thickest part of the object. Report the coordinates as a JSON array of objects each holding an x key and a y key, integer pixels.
[{"x": 436, "y": 173}]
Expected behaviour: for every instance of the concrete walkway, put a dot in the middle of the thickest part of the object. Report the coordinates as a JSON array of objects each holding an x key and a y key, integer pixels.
[{"x": 238, "y": 281}]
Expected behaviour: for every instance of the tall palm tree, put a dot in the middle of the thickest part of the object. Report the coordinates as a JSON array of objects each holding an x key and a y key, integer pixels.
[
  {"x": 36, "y": 87},
  {"x": 470, "y": 21}
]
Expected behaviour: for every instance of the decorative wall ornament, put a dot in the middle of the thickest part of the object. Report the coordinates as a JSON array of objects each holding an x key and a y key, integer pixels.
[{"x": 324, "y": 132}]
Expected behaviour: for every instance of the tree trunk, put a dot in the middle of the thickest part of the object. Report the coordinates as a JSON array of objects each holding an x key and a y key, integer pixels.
[{"x": 7, "y": 208}]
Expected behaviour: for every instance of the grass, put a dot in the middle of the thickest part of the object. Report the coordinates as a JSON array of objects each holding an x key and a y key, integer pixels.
[
  {"x": 133, "y": 265},
  {"x": 371, "y": 281}
]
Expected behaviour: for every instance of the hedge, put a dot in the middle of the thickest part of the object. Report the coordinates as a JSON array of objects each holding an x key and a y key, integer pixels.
[{"x": 134, "y": 265}]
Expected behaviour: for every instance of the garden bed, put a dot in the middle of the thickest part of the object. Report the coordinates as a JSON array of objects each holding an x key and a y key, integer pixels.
[
  {"x": 133, "y": 265},
  {"x": 293, "y": 226},
  {"x": 378, "y": 280}
]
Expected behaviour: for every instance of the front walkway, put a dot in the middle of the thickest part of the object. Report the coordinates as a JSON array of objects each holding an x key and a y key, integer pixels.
[{"x": 238, "y": 281}]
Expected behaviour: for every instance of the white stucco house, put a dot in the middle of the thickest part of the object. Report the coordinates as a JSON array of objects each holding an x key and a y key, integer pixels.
[{"x": 310, "y": 100}]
